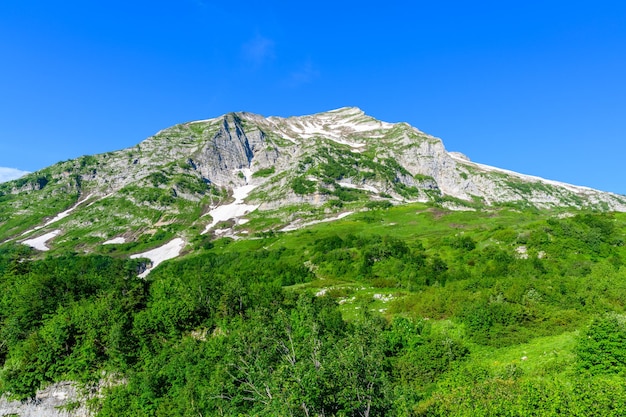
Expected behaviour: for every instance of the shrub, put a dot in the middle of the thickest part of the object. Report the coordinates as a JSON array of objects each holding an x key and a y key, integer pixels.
[
  {"x": 265, "y": 172},
  {"x": 601, "y": 348},
  {"x": 302, "y": 186}
]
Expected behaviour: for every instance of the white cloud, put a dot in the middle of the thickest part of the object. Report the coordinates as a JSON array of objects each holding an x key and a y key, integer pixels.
[
  {"x": 8, "y": 174},
  {"x": 258, "y": 50}
]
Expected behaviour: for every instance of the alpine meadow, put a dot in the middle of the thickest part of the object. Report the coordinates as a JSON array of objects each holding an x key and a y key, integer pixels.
[{"x": 322, "y": 265}]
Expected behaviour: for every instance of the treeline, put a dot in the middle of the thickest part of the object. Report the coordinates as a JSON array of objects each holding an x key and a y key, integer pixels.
[{"x": 240, "y": 332}]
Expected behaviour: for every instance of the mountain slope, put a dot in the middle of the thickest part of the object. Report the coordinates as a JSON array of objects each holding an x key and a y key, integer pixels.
[
  {"x": 279, "y": 171},
  {"x": 395, "y": 308}
]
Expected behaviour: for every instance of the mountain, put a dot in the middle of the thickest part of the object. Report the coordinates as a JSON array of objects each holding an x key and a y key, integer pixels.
[
  {"x": 241, "y": 174},
  {"x": 328, "y": 265}
]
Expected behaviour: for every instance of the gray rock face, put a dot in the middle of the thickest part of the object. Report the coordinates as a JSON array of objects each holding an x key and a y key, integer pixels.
[
  {"x": 278, "y": 162},
  {"x": 58, "y": 400},
  {"x": 282, "y": 161},
  {"x": 228, "y": 150},
  {"x": 232, "y": 150}
]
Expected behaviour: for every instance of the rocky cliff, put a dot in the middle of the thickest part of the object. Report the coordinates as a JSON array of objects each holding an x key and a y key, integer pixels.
[{"x": 215, "y": 175}]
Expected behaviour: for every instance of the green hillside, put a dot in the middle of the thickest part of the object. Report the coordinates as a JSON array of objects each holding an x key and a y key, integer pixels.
[{"x": 411, "y": 310}]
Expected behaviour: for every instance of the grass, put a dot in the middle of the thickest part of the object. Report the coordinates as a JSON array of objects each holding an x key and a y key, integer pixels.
[
  {"x": 539, "y": 357},
  {"x": 541, "y": 343}
]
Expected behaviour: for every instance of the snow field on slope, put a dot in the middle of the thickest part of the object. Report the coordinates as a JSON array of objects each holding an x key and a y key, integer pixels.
[
  {"x": 158, "y": 255},
  {"x": 235, "y": 209},
  {"x": 40, "y": 241}
]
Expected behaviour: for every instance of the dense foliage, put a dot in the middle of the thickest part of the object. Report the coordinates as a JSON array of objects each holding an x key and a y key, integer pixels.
[{"x": 395, "y": 311}]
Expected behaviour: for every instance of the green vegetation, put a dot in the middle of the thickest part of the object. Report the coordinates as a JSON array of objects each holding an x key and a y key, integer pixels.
[
  {"x": 265, "y": 172},
  {"x": 421, "y": 177},
  {"x": 301, "y": 185},
  {"x": 525, "y": 187},
  {"x": 407, "y": 310},
  {"x": 400, "y": 311},
  {"x": 332, "y": 162}
]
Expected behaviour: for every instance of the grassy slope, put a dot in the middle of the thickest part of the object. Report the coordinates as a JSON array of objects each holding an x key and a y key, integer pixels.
[
  {"x": 431, "y": 225},
  {"x": 521, "y": 319}
]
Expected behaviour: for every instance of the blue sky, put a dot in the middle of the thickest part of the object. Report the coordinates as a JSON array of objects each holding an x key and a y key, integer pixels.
[{"x": 537, "y": 87}]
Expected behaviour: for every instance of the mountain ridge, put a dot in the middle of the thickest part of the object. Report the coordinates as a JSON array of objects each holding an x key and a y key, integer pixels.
[{"x": 279, "y": 171}]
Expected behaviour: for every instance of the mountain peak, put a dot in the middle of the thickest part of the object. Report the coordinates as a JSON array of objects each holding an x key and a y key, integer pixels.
[
  {"x": 347, "y": 111},
  {"x": 280, "y": 172}
]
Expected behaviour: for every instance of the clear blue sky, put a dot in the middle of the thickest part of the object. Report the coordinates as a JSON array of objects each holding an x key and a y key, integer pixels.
[{"x": 537, "y": 87}]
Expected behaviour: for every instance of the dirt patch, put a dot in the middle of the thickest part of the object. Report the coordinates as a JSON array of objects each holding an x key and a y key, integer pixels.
[{"x": 437, "y": 213}]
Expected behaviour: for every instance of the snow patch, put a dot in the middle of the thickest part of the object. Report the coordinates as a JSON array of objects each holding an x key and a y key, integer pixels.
[
  {"x": 202, "y": 121},
  {"x": 459, "y": 155},
  {"x": 531, "y": 178},
  {"x": 235, "y": 209},
  {"x": 65, "y": 213},
  {"x": 457, "y": 207},
  {"x": 40, "y": 242},
  {"x": 115, "y": 241},
  {"x": 158, "y": 255},
  {"x": 335, "y": 125},
  {"x": 58, "y": 217},
  {"x": 247, "y": 173},
  {"x": 101, "y": 198},
  {"x": 363, "y": 187},
  {"x": 296, "y": 226}
]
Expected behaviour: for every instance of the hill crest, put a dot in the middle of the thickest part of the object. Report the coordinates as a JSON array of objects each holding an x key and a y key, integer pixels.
[{"x": 242, "y": 173}]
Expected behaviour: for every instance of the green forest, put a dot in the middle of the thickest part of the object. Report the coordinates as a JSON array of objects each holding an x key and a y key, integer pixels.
[{"x": 412, "y": 310}]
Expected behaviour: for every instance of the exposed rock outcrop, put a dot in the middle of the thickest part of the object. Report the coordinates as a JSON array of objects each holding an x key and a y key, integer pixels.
[
  {"x": 62, "y": 399},
  {"x": 185, "y": 172}
]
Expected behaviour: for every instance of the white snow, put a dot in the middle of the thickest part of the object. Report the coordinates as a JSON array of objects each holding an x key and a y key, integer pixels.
[
  {"x": 456, "y": 207},
  {"x": 168, "y": 251},
  {"x": 347, "y": 300},
  {"x": 277, "y": 125},
  {"x": 363, "y": 187},
  {"x": 102, "y": 198},
  {"x": 58, "y": 217},
  {"x": 40, "y": 242},
  {"x": 335, "y": 125},
  {"x": 65, "y": 213},
  {"x": 570, "y": 187},
  {"x": 247, "y": 173},
  {"x": 30, "y": 230},
  {"x": 296, "y": 225},
  {"x": 115, "y": 241},
  {"x": 202, "y": 121},
  {"x": 235, "y": 209}
]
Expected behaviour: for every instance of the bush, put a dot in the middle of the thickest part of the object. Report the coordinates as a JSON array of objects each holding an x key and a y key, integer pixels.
[
  {"x": 302, "y": 186},
  {"x": 376, "y": 205},
  {"x": 601, "y": 349},
  {"x": 265, "y": 172}
]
